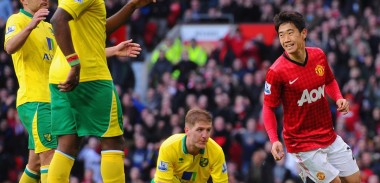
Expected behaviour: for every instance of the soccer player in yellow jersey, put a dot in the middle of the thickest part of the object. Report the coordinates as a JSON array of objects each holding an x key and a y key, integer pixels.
[
  {"x": 84, "y": 99},
  {"x": 192, "y": 157},
  {"x": 31, "y": 42}
]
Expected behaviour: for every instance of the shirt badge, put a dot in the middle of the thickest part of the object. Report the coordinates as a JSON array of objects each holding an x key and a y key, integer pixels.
[
  {"x": 203, "y": 162},
  {"x": 10, "y": 29},
  {"x": 267, "y": 88},
  {"x": 163, "y": 166},
  {"x": 224, "y": 168},
  {"x": 320, "y": 70}
]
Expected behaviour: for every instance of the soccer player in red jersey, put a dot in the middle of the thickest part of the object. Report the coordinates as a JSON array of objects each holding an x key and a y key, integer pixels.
[{"x": 300, "y": 79}]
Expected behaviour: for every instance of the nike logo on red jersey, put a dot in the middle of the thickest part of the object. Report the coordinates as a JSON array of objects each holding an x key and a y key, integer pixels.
[{"x": 291, "y": 82}]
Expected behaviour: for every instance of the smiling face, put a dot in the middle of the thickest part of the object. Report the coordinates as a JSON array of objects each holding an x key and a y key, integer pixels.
[
  {"x": 291, "y": 39},
  {"x": 198, "y": 135}
]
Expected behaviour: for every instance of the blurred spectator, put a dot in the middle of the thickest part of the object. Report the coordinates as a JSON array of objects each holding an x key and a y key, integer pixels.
[{"x": 91, "y": 158}]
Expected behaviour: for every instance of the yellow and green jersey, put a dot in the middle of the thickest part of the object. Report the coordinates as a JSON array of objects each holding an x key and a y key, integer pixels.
[
  {"x": 175, "y": 164},
  {"x": 32, "y": 61},
  {"x": 88, "y": 32}
]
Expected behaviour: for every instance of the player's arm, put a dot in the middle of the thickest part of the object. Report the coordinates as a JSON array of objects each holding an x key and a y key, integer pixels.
[
  {"x": 119, "y": 18},
  {"x": 272, "y": 93},
  {"x": 165, "y": 168},
  {"x": 18, "y": 40},
  {"x": 219, "y": 170},
  {"x": 124, "y": 49},
  {"x": 270, "y": 124},
  {"x": 332, "y": 89},
  {"x": 60, "y": 23}
]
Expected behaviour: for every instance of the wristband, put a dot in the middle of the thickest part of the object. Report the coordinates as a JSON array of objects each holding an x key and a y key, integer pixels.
[{"x": 73, "y": 59}]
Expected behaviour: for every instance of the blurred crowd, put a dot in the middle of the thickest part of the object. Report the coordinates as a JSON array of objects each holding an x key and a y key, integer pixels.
[{"x": 227, "y": 80}]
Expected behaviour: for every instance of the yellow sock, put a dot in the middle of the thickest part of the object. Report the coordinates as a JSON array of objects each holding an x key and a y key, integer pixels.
[
  {"x": 29, "y": 176},
  {"x": 44, "y": 173},
  {"x": 60, "y": 168},
  {"x": 112, "y": 166}
]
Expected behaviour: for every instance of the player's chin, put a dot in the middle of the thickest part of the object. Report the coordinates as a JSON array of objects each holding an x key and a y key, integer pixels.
[{"x": 202, "y": 145}]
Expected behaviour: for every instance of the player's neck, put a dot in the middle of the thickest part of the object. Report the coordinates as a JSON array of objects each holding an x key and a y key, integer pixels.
[
  {"x": 28, "y": 10},
  {"x": 191, "y": 149},
  {"x": 298, "y": 56}
]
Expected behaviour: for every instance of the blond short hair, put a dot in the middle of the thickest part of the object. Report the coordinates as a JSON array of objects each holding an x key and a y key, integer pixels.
[{"x": 196, "y": 115}]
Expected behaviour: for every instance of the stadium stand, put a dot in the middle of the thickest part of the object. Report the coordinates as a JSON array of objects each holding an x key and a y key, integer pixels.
[{"x": 229, "y": 85}]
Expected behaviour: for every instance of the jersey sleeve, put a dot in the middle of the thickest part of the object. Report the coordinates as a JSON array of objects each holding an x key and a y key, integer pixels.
[
  {"x": 12, "y": 28},
  {"x": 329, "y": 74},
  {"x": 164, "y": 169},
  {"x": 219, "y": 169},
  {"x": 272, "y": 89},
  {"x": 75, "y": 7}
]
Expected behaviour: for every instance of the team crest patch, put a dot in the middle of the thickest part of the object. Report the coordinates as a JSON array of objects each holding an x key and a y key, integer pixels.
[
  {"x": 47, "y": 137},
  {"x": 267, "y": 88},
  {"x": 320, "y": 70},
  {"x": 10, "y": 29},
  {"x": 203, "y": 162},
  {"x": 321, "y": 176},
  {"x": 79, "y": 1},
  {"x": 163, "y": 166}
]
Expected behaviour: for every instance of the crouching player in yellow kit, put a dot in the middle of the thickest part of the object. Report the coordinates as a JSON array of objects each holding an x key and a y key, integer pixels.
[{"x": 193, "y": 156}]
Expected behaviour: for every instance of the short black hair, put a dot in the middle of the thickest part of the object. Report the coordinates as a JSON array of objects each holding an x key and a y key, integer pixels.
[{"x": 289, "y": 17}]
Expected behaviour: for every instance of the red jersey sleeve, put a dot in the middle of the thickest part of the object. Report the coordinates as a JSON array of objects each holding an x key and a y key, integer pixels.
[
  {"x": 272, "y": 89},
  {"x": 329, "y": 74},
  {"x": 270, "y": 123},
  {"x": 332, "y": 87}
]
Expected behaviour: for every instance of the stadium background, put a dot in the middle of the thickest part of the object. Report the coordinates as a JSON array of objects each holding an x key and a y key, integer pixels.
[{"x": 223, "y": 74}]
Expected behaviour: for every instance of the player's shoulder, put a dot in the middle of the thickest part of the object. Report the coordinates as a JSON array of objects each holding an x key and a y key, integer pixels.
[
  {"x": 15, "y": 16},
  {"x": 313, "y": 50},
  {"x": 174, "y": 139},
  {"x": 212, "y": 145},
  {"x": 277, "y": 63}
]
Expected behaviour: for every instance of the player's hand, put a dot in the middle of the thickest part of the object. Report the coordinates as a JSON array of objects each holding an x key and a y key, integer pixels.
[
  {"x": 127, "y": 49},
  {"x": 40, "y": 15},
  {"x": 72, "y": 79},
  {"x": 141, "y": 3},
  {"x": 277, "y": 150},
  {"x": 343, "y": 106}
]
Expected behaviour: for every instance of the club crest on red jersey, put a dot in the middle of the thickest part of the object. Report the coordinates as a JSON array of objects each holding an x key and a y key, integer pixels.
[{"x": 320, "y": 70}]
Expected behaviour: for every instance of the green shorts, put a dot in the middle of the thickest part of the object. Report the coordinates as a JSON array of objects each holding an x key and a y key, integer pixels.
[
  {"x": 92, "y": 108},
  {"x": 36, "y": 117}
]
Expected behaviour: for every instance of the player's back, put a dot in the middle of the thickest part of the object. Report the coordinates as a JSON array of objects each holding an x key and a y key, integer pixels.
[{"x": 88, "y": 33}]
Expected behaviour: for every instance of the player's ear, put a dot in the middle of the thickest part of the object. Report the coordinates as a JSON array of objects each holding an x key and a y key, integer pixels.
[
  {"x": 186, "y": 129},
  {"x": 304, "y": 34}
]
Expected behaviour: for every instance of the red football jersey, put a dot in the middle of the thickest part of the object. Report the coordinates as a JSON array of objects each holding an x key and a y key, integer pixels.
[{"x": 301, "y": 90}]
